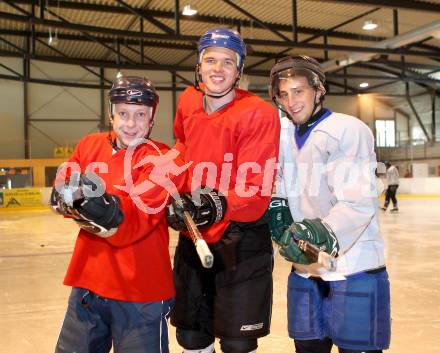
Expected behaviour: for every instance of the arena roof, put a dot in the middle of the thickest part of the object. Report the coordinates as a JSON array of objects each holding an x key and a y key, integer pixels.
[{"x": 400, "y": 58}]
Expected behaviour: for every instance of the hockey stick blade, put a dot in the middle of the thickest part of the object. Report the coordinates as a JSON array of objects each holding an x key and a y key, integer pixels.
[
  {"x": 202, "y": 248},
  {"x": 315, "y": 255}
]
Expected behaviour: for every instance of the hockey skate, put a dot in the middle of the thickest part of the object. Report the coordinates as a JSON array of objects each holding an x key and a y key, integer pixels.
[{"x": 394, "y": 210}]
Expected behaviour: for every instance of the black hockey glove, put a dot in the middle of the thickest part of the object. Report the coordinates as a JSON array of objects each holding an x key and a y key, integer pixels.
[
  {"x": 210, "y": 210},
  {"x": 97, "y": 213}
]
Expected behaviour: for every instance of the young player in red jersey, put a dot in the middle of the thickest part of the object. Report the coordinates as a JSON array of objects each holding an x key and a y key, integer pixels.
[
  {"x": 231, "y": 138},
  {"x": 120, "y": 269}
]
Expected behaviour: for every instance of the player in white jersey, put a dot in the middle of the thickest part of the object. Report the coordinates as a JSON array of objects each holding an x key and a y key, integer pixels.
[
  {"x": 392, "y": 185},
  {"x": 326, "y": 195}
]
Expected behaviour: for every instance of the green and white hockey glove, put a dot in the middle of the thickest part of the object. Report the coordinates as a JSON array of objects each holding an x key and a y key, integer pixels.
[
  {"x": 279, "y": 218},
  {"x": 316, "y": 232}
]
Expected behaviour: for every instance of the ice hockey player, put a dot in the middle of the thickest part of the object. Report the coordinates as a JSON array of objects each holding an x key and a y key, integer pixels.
[
  {"x": 120, "y": 269},
  {"x": 392, "y": 184},
  {"x": 231, "y": 137},
  {"x": 326, "y": 195}
]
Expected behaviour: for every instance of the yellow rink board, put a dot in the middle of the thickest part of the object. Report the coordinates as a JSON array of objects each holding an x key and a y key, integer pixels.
[
  {"x": 21, "y": 197},
  {"x": 31, "y": 199}
]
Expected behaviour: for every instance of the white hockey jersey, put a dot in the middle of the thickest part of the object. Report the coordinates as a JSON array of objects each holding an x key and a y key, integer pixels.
[
  {"x": 332, "y": 177},
  {"x": 392, "y": 176}
]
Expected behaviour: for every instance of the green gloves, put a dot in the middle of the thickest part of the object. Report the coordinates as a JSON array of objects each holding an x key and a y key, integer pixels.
[
  {"x": 315, "y": 232},
  {"x": 286, "y": 233},
  {"x": 279, "y": 218}
]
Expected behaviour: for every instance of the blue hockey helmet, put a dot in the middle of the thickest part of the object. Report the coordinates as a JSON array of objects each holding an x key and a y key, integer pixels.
[{"x": 226, "y": 38}]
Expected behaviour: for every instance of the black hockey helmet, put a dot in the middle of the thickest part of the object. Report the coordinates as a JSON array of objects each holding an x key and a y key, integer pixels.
[
  {"x": 292, "y": 66},
  {"x": 133, "y": 90}
]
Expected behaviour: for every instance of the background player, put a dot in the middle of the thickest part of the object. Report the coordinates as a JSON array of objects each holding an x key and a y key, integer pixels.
[
  {"x": 392, "y": 185},
  {"x": 120, "y": 269},
  {"x": 224, "y": 131},
  {"x": 326, "y": 180}
]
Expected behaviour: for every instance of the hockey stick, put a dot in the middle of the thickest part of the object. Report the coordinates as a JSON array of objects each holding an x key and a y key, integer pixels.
[
  {"x": 315, "y": 255},
  {"x": 202, "y": 248}
]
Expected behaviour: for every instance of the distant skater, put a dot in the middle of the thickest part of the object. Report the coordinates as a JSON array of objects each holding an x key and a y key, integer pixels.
[{"x": 392, "y": 185}]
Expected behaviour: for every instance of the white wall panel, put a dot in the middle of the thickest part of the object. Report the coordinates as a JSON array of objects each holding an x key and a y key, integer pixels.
[
  {"x": 56, "y": 102},
  {"x": 11, "y": 120},
  {"x": 55, "y": 71},
  {"x": 12, "y": 63},
  {"x": 45, "y": 136},
  {"x": 345, "y": 105}
]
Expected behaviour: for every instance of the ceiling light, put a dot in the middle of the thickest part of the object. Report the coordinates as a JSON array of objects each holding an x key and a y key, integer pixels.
[
  {"x": 188, "y": 11},
  {"x": 363, "y": 85},
  {"x": 53, "y": 39},
  {"x": 369, "y": 25}
]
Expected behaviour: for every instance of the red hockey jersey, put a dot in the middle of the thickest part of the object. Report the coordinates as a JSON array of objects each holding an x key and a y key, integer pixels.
[
  {"x": 233, "y": 150},
  {"x": 134, "y": 263}
]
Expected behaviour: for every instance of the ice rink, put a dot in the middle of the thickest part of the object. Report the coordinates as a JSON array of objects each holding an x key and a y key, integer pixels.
[{"x": 35, "y": 248}]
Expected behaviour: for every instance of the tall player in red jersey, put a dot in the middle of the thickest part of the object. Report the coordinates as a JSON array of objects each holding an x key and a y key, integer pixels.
[
  {"x": 230, "y": 137},
  {"x": 120, "y": 269}
]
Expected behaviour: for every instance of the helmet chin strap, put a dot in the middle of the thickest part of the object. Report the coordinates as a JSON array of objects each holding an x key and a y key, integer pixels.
[
  {"x": 149, "y": 130},
  {"x": 280, "y": 107},
  {"x": 315, "y": 105},
  {"x": 109, "y": 137},
  {"x": 221, "y": 95}
]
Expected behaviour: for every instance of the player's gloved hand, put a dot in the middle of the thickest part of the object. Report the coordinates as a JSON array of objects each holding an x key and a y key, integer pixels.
[
  {"x": 100, "y": 215},
  {"x": 56, "y": 203},
  {"x": 293, "y": 253},
  {"x": 96, "y": 212},
  {"x": 279, "y": 218},
  {"x": 315, "y": 231},
  {"x": 61, "y": 199},
  {"x": 210, "y": 210}
]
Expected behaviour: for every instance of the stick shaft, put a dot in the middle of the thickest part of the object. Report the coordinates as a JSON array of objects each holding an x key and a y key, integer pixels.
[
  {"x": 315, "y": 255},
  {"x": 202, "y": 248}
]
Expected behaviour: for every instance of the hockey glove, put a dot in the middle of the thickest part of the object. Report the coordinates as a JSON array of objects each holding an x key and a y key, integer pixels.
[
  {"x": 315, "y": 231},
  {"x": 210, "y": 210},
  {"x": 279, "y": 218},
  {"x": 100, "y": 215},
  {"x": 97, "y": 214}
]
